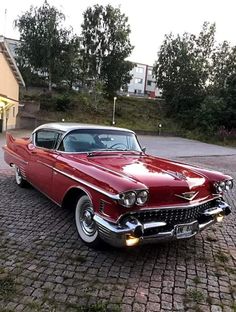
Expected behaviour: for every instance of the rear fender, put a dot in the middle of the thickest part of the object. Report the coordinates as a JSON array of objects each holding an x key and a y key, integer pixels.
[{"x": 9, "y": 140}]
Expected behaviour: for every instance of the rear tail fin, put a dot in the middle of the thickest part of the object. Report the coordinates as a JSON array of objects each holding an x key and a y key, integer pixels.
[{"x": 9, "y": 139}]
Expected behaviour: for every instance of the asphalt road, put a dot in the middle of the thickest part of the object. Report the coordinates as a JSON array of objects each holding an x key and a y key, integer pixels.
[{"x": 179, "y": 147}]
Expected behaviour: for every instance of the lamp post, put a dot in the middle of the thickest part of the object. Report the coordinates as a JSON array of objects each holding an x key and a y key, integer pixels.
[
  {"x": 114, "y": 111},
  {"x": 2, "y": 104}
]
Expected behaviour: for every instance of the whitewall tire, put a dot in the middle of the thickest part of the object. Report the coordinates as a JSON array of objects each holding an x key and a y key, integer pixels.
[
  {"x": 20, "y": 181},
  {"x": 86, "y": 226}
]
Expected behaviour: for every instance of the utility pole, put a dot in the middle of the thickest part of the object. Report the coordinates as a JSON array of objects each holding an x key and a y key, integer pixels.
[{"x": 5, "y": 23}]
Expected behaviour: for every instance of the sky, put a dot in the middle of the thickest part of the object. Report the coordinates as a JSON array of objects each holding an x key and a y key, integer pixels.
[{"x": 149, "y": 20}]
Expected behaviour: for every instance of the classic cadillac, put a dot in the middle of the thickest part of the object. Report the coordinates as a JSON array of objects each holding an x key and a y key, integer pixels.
[{"x": 120, "y": 195}]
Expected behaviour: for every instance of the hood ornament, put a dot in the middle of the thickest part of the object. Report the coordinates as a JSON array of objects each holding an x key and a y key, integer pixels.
[{"x": 188, "y": 195}]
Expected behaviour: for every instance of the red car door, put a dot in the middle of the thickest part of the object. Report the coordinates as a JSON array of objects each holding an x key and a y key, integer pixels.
[{"x": 42, "y": 161}]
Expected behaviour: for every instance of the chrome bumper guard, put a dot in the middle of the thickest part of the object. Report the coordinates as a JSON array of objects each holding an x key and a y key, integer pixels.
[{"x": 117, "y": 234}]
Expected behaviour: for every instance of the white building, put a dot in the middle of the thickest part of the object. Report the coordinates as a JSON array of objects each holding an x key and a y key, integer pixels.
[{"x": 143, "y": 81}]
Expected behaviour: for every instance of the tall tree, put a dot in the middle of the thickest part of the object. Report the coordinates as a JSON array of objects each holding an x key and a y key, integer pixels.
[
  {"x": 106, "y": 45},
  {"x": 71, "y": 63},
  {"x": 183, "y": 69},
  {"x": 223, "y": 65},
  {"x": 44, "y": 41}
]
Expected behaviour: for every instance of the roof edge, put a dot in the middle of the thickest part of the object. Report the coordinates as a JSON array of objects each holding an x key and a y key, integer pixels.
[{"x": 12, "y": 61}]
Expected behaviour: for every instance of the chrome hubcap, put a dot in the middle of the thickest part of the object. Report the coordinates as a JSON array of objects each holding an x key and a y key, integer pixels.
[
  {"x": 18, "y": 175},
  {"x": 86, "y": 221}
]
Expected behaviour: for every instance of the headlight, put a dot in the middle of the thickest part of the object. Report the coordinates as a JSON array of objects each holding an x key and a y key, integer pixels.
[
  {"x": 223, "y": 186},
  {"x": 138, "y": 197},
  {"x": 229, "y": 184},
  {"x": 127, "y": 199},
  {"x": 142, "y": 197}
]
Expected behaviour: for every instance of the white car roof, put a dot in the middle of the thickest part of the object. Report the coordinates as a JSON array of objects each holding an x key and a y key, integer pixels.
[{"x": 69, "y": 126}]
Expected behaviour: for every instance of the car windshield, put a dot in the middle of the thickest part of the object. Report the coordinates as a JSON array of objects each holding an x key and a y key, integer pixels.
[{"x": 91, "y": 140}]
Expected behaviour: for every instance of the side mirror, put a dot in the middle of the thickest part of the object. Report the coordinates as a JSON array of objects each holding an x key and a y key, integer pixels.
[{"x": 144, "y": 150}]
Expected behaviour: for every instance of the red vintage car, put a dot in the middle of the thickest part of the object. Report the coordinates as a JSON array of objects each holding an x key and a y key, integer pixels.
[{"x": 120, "y": 194}]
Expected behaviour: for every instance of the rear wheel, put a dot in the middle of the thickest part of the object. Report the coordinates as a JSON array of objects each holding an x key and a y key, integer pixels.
[
  {"x": 85, "y": 224},
  {"x": 20, "y": 181}
]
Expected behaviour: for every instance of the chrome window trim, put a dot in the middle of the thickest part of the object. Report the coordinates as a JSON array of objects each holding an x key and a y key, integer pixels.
[
  {"x": 47, "y": 130},
  {"x": 90, "y": 128}
]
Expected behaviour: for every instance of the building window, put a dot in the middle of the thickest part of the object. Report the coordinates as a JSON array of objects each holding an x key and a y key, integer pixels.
[
  {"x": 138, "y": 80},
  {"x": 139, "y": 70},
  {"x": 149, "y": 82},
  {"x": 14, "y": 111},
  {"x": 150, "y": 72}
]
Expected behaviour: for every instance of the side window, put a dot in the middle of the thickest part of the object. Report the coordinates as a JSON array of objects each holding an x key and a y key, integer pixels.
[
  {"x": 46, "y": 139},
  {"x": 77, "y": 142}
]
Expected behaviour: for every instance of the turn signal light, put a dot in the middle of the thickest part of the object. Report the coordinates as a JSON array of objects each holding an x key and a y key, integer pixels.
[{"x": 131, "y": 240}]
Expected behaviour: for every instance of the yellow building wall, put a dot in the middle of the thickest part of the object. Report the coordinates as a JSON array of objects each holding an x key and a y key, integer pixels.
[{"x": 9, "y": 87}]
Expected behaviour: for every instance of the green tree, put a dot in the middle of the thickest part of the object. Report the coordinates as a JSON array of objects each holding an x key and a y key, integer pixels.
[
  {"x": 71, "y": 63},
  {"x": 183, "y": 69},
  {"x": 44, "y": 42},
  {"x": 223, "y": 65},
  {"x": 224, "y": 82},
  {"x": 209, "y": 116},
  {"x": 106, "y": 45}
]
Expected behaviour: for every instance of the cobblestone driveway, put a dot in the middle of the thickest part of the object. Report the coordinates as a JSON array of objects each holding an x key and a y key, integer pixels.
[{"x": 45, "y": 267}]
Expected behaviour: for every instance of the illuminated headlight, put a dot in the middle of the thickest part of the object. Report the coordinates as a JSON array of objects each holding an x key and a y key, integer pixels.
[
  {"x": 142, "y": 197},
  {"x": 127, "y": 199},
  {"x": 223, "y": 186}
]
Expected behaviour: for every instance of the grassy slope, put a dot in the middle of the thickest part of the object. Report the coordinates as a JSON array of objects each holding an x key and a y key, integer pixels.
[
  {"x": 138, "y": 114},
  {"x": 133, "y": 113}
]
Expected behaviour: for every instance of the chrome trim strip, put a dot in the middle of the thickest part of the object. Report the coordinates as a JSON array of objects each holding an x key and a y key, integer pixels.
[
  {"x": 187, "y": 198},
  {"x": 42, "y": 163},
  {"x": 98, "y": 189},
  {"x": 150, "y": 225},
  {"x": 114, "y": 197},
  {"x": 206, "y": 225},
  {"x": 7, "y": 150},
  {"x": 212, "y": 212}
]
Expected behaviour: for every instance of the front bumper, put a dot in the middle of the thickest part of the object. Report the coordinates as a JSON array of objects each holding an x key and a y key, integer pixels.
[{"x": 151, "y": 232}]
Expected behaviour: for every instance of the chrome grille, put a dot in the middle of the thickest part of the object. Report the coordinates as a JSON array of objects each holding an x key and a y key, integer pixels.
[
  {"x": 101, "y": 206},
  {"x": 173, "y": 216}
]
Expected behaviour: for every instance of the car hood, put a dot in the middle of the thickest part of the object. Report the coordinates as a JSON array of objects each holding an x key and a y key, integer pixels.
[{"x": 167, "y": 181}]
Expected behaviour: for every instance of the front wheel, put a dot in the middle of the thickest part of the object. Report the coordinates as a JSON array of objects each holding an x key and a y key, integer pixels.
[
  {"x": 85, "y": 224},
  {"x": 20, "y": 181}
]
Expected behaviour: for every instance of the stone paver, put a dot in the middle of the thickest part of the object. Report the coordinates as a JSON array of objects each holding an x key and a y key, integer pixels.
[{"x": 44, "y": 266}]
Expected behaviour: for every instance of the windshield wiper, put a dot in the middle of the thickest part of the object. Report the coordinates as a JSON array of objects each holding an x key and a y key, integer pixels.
[{"x": 103, "y": 152}]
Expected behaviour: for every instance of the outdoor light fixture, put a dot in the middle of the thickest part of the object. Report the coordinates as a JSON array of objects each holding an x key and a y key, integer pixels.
[{"x": 114, "y": 111}]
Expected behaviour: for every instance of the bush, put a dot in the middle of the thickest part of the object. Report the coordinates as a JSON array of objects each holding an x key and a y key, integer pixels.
[
  {"x": 208, "y": 117},
  {"x": 63, "y": 103}
]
